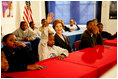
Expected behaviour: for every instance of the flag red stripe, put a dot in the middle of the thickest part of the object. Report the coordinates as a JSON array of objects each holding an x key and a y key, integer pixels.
[
  {"x": 26, "y": 16},
  {"x": 26, "y": 10},
  {"x": 30, "y": 10},
  {"x": 30, "y": 16},
  {"x": 26, "y": 22}
]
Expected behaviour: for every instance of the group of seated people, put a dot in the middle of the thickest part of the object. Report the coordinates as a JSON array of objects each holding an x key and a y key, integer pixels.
[
  {"x": 16, "y": 56},
  {"x": 94, "y": 35},
  {"x": 73, "y": 26}
]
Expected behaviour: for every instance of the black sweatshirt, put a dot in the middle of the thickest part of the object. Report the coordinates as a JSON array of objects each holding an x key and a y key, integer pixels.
[
  {"x": 107, "y": 35},
  {"x": 18, "y": 58},
  {"x": 90, "y": 41}
]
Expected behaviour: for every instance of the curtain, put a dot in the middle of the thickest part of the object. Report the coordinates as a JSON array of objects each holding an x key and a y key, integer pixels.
[{"x": 79, "y": 11}]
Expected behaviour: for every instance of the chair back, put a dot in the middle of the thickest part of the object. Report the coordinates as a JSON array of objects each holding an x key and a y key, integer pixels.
[{"x": 77, "y": 45}]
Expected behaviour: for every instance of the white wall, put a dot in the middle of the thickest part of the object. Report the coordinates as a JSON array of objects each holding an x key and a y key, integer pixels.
[
  {"x": 8, "y": 24},
  {"x": 11, "y": 24},
  {"x": 110, "y": 25}
]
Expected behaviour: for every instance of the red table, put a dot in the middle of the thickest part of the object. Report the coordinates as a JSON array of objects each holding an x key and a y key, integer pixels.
[
  {"x": 57, "y": 69},
  {"x": 86, "y": 63},
  {"x": 111, "y": 42},
  {"x": 97, "y": 57}
]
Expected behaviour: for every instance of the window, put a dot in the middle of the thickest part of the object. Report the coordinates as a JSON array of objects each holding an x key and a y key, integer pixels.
[
  {"x": 80, "y": 11},
  {"x": 60, "y": 8}
]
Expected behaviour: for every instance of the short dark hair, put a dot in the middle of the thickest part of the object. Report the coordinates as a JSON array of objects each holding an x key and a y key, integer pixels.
[
  {"x": 50, "y": 34},
  {"x": 31, "y": 23},
  {"x": 99, "y": 24},
  {"x": 42, "y": 20},
  {"x": 4, "y": 39},
  {"x": 21, "y": 23},
  {"x": 89, "y": 22}
]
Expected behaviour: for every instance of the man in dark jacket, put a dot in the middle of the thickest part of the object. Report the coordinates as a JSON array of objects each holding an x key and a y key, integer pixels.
[
  {"x": 104, "y": 33},
  {"x": 90, "y": 37}
]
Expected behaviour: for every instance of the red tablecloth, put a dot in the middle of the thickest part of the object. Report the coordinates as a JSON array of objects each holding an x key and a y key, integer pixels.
[
  {"x": 111, "y": 42},
  {"x": 97, "y": 57},
  {"x": 86, "y": 63},
  {"x": 57, "y": 69}
]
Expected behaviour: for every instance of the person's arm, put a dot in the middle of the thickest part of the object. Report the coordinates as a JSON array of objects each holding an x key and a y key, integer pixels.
[
  {"x": 66, "y": 28},
  {"x": 17, "y": 67},
  {"x": 71, "y": 28},
  {"x": 40, "y": 28},
  {"x": 42, "y": 48},
  {"x": 87, "y": 41},
  {"x": 17, "y": 44},
  {"x": 23, "y": 67},
  {"x": 16, "y": 33},
  {"x": 32, "y": 35},
  {"x": 38, "y": 32},
  {"x": 44, "y": 36},
  {"x": 69, "y": 44},
  {"x": 62, "y": 51},
  {"x": 4, "y": 62},
  {"x": 99, "y": 39},
  {"x": 115, "y": 35},
  {"x": 109, "y": 36},
  {"x": 49, "y": 30},
  {"x": 77, "y": 27}
]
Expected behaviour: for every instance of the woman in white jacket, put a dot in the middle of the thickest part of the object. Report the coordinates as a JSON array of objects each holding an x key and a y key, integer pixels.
[{"x": 46, "y": 48}]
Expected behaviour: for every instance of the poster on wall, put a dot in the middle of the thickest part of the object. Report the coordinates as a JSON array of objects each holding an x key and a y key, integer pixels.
[
  {"x": 113, "y": 10},
  {"x": 7, "y": 8}
]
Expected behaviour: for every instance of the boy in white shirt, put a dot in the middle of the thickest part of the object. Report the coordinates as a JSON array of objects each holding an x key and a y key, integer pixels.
[
  {"x": 73, "y": 25},
  {"x": 46, "y": 48}
]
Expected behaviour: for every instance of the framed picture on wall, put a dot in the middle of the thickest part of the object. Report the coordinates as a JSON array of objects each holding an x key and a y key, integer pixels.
[
  {"x": 113, "y": 10},
  {"x": 7, "y": 8}
]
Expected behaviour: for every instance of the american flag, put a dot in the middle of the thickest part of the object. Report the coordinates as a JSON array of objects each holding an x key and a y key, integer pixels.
[{"x": 27, "y": 14}]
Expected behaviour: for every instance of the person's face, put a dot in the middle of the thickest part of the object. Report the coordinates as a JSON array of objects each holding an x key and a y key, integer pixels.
[
  {"x": 90, "y": 26},
  {"x": 10, "y": 42},
  {"x": 95, "y": 22},
  {"x": 44, "y": 22},
  {"x": 51, "y": 40},
  {"x": 71, "y": 22},
  {"x": 32, "y": 25},
  {"x": 24, "y": 26},
  {"x": 58, "y": 28},
  {"x": 4, "y": 63},
  {"x": 100, "y": 27}
]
